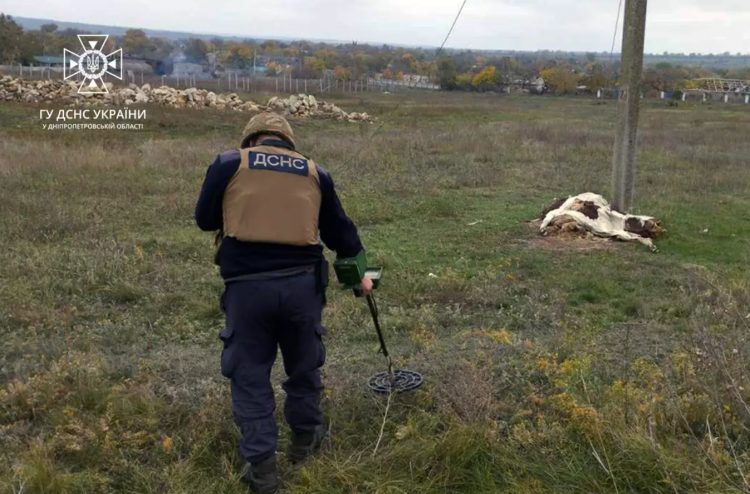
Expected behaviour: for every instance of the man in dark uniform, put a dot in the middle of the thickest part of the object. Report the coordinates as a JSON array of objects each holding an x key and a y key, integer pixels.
[{"x": 268, "y": 203}]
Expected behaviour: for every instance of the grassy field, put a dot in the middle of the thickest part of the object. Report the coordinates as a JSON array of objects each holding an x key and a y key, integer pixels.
[{"x": 550, "y": 366}]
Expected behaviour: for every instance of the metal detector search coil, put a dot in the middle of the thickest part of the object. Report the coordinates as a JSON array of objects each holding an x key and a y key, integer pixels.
[{"x": 401, "y": 381}]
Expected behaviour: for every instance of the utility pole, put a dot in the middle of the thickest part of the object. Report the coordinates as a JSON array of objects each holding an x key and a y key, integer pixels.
[{"x": 631, "y": 70}]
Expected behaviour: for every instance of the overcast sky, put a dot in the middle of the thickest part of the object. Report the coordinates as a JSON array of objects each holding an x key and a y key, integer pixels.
[{"x": 703, "y": 26}]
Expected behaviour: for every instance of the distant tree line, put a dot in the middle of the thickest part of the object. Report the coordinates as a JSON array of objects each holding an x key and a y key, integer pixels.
[{"x": 454, "y": 70}]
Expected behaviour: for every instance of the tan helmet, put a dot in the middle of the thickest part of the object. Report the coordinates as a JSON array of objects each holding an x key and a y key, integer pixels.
[{"x": 267, "y": 123}]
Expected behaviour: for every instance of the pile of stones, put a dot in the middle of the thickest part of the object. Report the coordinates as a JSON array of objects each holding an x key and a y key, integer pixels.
[
  {"x": 66, "y": 93},
  {"x": 304, "y": 105}
]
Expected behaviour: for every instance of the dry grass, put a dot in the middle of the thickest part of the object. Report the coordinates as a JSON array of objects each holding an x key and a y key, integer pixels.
[{"x": 548, "y": 369}]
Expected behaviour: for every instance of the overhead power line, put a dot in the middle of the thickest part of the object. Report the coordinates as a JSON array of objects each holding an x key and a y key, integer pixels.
[
  {"x": 614, "y": 36},
  {"x": 455, "y": 21},
  {"x": 437, "y": 54}
]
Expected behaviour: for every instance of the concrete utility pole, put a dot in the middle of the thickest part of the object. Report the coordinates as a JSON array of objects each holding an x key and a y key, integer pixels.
[{"x": 631, "y": 70}]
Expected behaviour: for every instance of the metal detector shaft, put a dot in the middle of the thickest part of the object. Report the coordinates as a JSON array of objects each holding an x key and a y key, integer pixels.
[{"x": 374, "y": 311}]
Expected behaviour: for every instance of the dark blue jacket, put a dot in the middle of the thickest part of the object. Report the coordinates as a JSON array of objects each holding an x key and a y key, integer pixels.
[{"x": 237, "y": 258}]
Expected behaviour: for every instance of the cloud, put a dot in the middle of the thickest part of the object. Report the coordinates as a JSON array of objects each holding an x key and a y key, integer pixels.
[{"x": 581, "y": 25}]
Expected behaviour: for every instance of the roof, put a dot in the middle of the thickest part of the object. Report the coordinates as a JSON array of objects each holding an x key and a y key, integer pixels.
[{"x": 50, "y": 60}]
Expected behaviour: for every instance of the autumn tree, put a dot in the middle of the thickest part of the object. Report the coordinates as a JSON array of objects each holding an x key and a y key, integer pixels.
[
  {"x": 377, "y": 62},
  {"x": 329, "y": 57},
  {"x": 137, "y": 43},
  {"x": 315, "y": 64},
  {"x": 196, "y": 50},
  {"x": 343, "y": 74},
  {"x": 237, "y": 55},
  {"x": 273, "y": 69},
  {"x": 217, "y": 44},
  {"x": 595, "y": 77},
  {"x": 32, "y": 43},
  {"x": 358, "y": 64},
  {"x": 161, "y": 48},
  {"x": 665, "y": 77},
  {"x": 743, "y": 74},
  {"x": 506, "y": 65},
  {"x": 312, "y": 67},
  {"x": 487, "y": 79},
  {"x": 559, "y": 81},
  {"x": 49, "y": 40},
  {"x": 447, "y": 73},
  {"x": 463, "y": 81},
  {"x": 11, "y": 35},
  {"x": 269, "y": 47}
]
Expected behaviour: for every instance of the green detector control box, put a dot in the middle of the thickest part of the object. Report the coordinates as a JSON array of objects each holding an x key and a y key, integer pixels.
[{"x": 351, "y": 270}]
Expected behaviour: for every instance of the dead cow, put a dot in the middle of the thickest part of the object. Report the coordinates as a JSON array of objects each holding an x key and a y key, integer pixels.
[{"x": 592, "y": 213}]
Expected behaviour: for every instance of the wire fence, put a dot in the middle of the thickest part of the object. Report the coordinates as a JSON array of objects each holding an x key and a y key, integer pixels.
[
  {"x": 285, "y": 84},
  {"x": 236, "y": 82}
]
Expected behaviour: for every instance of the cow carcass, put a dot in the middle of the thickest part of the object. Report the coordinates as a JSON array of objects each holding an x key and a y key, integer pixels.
[{"x": 592, "y": 213}]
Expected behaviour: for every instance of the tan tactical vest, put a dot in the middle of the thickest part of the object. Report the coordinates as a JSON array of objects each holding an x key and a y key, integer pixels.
[{"x": 274, "y": 197}]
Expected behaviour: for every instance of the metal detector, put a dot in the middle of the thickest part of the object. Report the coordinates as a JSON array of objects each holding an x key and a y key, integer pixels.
[
  {"x": 399, "y": 381},
  {"x": 350, "y": 272}
]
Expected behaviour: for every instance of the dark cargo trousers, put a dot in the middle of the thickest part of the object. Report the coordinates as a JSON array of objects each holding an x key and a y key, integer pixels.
[{"x": 262, "y": 316}]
